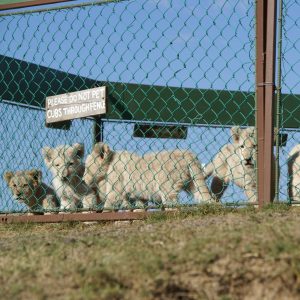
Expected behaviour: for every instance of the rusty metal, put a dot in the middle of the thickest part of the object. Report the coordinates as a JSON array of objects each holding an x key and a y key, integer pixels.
[
  {"x": 82, "y": 217},
  {"x": 260, "y": 94},
  {"x": 4, "y": 7},
  {"x": 269, "y": 167},
  {"x": 30, "y": 3},
  {"x": 265, "y": 79}
]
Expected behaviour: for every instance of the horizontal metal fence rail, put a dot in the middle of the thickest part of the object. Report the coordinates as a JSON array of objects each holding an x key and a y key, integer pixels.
[{"x": 80, "y": 217}]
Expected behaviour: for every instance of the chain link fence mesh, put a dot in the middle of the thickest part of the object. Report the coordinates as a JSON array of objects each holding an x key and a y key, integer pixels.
[
  {"x": 289, "y": 102},
  {"x": 171, "y": 62}
]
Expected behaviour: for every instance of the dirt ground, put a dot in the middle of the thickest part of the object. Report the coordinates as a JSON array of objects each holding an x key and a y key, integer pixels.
[{"x": 210, "y": 253}]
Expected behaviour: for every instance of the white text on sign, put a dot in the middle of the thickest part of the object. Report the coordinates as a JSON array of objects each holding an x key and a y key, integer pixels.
[{"x": 76, "y": 105}]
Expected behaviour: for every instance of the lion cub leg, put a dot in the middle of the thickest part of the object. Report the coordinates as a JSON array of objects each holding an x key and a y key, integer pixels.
[
  {"x": 294, "y": 189},
  {"x": 69, "y": 204},
  {"x": 198, "y": 185},
  {"x": 202, "y": 194},
  {"x": 115, "y": 196},
  {"x": 169, "y": 194},
  {"x": 140, "y": 205},
  {"x": 50, "y": 205},
  {"x": 89, "y": 201},
  {"x": 251, "y": 194}
]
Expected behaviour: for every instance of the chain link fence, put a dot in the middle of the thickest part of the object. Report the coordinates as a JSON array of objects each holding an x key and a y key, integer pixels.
[
  {"x": 185, "y": 64},
  {"x": 288, "y": 81}
]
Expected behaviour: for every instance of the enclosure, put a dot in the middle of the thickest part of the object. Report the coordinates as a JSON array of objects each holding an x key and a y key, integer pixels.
[{"x": 179, "y": 76}]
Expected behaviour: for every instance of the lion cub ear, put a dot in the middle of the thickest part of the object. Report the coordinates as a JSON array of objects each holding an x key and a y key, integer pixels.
[
  {"x": 36, "y": 175},
  {"x": 8, "y": 176},
  {"x": 236, "y": 133},
  {"x": 78, "y": 150},
  {"x": 102, "y": 150},
  {"x": 48, "y": 154}
]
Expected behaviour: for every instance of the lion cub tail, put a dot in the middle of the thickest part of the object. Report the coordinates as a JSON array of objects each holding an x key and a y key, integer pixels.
[{"x": 198, "y": 186}]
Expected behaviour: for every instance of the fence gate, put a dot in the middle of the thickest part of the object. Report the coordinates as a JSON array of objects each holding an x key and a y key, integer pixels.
[{"x": 180, "y": 106}]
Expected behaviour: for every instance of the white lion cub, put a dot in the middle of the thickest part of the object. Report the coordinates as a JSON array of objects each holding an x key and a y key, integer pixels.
[
  {"x": 160, "y": 176},
  {"x": 27, "y": 187},
  {"x": 65, "y": 164},
  {"x": 294, "y": 173},
  {"x": 235, "y": 163}
]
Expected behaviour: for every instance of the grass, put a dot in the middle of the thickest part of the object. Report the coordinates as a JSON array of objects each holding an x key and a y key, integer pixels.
[{"x": 206, "y": 253}]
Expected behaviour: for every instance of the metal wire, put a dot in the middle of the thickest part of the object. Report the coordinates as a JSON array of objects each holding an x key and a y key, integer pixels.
[{"x": 165, "y": 63}]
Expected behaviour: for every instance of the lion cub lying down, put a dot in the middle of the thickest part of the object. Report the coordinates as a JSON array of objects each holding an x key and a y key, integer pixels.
[
  {"x": 235, "y": 163},
  {"x": 27, "y": 187},
  {"x": 121, "y": 176},
  {"x": 65, "y": 164}
]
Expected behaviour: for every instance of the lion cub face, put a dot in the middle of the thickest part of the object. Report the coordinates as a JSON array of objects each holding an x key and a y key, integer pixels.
[
  {"x": 65, "y": 161},
  {"x": 23, "y": 183},
  {"x": 96, "y": 164},
  {"x": 245, "y": 143}
]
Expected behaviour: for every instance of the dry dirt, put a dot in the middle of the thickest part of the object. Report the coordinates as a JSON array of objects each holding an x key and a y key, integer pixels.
[{"x": 204, "y": 254}]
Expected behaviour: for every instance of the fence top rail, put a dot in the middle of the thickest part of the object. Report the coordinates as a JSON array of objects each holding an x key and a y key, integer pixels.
[{"x": 52, "y": 8}]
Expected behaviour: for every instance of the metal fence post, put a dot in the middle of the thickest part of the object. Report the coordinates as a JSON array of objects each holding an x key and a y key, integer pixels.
[
  {"x": 97, "y": 130},
  {"x": 260, "y": 93},
  {"x": 278, "y": 98},
  {"x": 270, "y": 101},
  {"x": 265, "y": 78}
]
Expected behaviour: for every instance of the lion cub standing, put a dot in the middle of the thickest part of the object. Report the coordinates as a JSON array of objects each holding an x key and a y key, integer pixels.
[
  {"x": 294, "y": 174},
  {"x": 65, "y": 164},
  {"x": 235, "y": 163},
  {"x": 160, "y": 176},
  {"x": 27, "y": 187}
]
